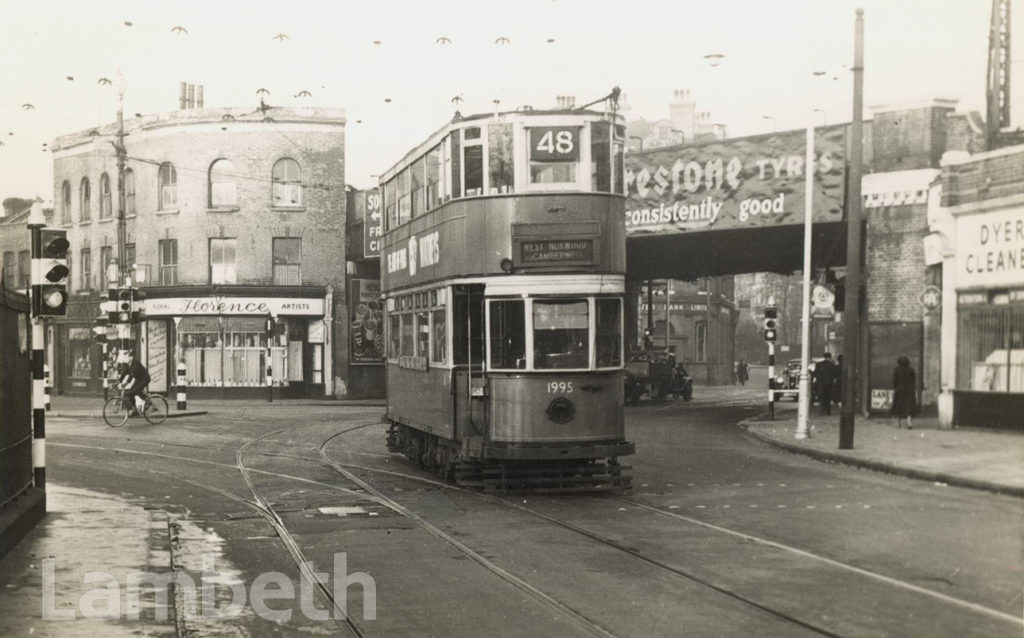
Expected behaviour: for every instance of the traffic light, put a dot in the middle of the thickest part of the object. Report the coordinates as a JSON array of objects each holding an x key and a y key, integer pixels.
[
  {"x": 771, "y": 323},
  {"x": 50, "y": 273},
  {"x": 138, "y": 299},
  {"x": 123, "y": 305}
]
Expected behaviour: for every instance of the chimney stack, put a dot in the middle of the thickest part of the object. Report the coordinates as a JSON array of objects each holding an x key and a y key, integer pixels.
[
  {"x": 191, "y": 100},
  {"x": 199, "y": 96},
  {"x": 182, "y": 96}
]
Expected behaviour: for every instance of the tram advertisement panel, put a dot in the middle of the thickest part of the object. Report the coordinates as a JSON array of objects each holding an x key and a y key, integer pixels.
[
  {"x": 366, "y": 322},
  {"x": 736, "y": 183}
]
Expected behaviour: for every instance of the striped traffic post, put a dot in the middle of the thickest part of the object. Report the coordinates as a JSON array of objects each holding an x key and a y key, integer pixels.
[
  {"x": 106, "y": 370},
  {"x": 38, "y": 403},
  {"x": 270, "y": 367},
  {"x": 182, "y": 398},
  {"x": 47, "y": 386},
  {"x": 771, "y": 380}
]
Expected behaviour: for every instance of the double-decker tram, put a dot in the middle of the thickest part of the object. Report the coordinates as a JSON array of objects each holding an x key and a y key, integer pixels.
[{"x": 503, "y": 272}]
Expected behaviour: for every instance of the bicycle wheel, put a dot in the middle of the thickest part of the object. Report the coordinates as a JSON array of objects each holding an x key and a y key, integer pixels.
[
  {"x": 115, "y": 412},
  {"x": 155, "y": 409}
]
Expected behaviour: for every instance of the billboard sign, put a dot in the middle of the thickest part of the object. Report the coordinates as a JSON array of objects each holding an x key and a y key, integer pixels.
[
  {"x": 373, "y": 229},
  {"x": 734, "y": 184}
]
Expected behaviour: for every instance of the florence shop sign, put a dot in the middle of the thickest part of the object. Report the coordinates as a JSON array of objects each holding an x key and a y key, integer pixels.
[{"x": 180, "y": 306}]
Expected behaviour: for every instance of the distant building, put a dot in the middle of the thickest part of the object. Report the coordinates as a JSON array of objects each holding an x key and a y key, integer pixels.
[
  {"x": 235, "y": 216},
  {"x": 685, "y": 124}
]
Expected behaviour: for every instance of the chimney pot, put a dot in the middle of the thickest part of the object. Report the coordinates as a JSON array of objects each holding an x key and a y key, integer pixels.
[
  {"x": 199, "y": 96},
  {"x": 182, "y": 96},
  {"x": 191, "y": 99}
]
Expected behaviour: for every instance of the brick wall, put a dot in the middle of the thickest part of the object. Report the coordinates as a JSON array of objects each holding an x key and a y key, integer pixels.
[
  {"x": 909, "y": 138},
  {"x": 997, "y": 174},
  {"x": 895, "y": 262}
]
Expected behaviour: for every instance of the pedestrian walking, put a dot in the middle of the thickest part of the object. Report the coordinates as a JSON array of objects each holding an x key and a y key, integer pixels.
[
  {"x": 824, "y": 378},
  {"x": 837, "y": 383},
  {"x": 742, "y": 372},
  {"x": 904, "y": 392}
]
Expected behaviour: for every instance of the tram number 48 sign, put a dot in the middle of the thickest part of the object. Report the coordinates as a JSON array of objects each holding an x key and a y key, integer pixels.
[{"x": 555, "y": 144}]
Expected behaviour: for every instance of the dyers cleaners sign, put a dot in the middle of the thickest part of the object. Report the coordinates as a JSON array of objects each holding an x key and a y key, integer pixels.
[{"x": 737, "y": 183}]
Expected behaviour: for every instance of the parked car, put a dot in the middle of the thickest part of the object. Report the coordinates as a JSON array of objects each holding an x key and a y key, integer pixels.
[{"x": 789, "y": 377}]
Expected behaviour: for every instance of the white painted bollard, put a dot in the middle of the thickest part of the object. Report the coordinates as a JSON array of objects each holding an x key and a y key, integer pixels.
[{"x": 182, "y": 399}]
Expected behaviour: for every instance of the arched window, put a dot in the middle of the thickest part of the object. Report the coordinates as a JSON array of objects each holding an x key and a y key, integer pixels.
[
  {"x": 85, "y": 201},
  {"x": 168, "y": 183},
  {"x": 129, "y": 192},
  {"x": 287, "y": 183},
  {"x": 65, "y": 202},
  {"x": 105, "y": 208},
  {"x": 223, "y": 184}
]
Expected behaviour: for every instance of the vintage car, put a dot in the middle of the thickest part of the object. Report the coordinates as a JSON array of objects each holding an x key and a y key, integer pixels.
[{"x": 789, "y": 378}]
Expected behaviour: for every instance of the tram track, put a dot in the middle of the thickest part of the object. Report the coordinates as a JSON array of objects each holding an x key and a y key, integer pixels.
[{"x": 881, "y": 578}]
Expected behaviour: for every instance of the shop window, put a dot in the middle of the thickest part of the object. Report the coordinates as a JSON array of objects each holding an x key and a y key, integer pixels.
[
  {"x": 167, "y": 186},
  {"x": 287, "y": 183},
  {"x": 232, "y": 352},
  {"x": 508, "y": 334},
  {"x": 222, "y": 261},
  {"x": 85, "y": 201},
  {"x": 106, "y": 211},
  {"x": 80, "y": 352},
  {"x": 561, "y": 334},
  {"x": 287, "y": 256},
  {"x": 200, "y": 340},
  {"x": 990, "y": 349},
  {"x": 499, "y": 159},
  {"x": 168, "y": 255},
  {"x": 223, "y": 184},
  {"x": 129, "y": 192}
]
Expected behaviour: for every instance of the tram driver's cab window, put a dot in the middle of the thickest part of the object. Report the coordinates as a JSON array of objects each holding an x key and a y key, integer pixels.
[
  {"x": 608, "y": 332},
  {"x": 560, "y": 334},
  {"x": 554, "y": 154}
]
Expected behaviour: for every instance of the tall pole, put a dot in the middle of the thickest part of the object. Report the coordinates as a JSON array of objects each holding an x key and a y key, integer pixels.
[
  {"x": 852, "y": 313},
  {"x": 802, "y": 429},
  {"x": 668, "y": 310}
]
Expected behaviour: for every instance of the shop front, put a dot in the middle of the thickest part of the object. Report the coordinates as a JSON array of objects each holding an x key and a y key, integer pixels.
[
  {"x": 231, "y": 345},
  {"x": 76, "y": 362},
  {"x": 989, "y": 309}
]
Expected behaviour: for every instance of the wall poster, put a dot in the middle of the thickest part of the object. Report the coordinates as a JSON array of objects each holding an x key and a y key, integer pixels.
[{"x": 366, "y": 322}]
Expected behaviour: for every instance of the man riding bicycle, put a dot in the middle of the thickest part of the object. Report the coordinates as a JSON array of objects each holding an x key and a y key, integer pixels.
[{"x": 134, "y": 380}]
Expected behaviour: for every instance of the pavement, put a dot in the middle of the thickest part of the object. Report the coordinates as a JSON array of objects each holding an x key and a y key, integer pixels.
[{"x": 989, "y": 460}]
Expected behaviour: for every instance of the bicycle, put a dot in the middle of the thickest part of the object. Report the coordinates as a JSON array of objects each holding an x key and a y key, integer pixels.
[{"x": 117, "y": 409}]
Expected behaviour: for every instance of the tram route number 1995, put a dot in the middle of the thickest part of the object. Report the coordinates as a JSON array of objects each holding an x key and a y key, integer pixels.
[{"x": 559, "y": 387}]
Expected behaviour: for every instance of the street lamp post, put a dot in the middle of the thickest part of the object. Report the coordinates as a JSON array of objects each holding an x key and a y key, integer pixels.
[{"x": 804, "y": 408}]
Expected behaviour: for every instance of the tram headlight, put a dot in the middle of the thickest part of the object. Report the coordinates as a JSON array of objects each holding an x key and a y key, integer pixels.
[{"x": 561, "y": 410}]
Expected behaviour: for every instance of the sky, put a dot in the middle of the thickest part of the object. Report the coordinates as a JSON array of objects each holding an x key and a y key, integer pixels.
[{"x": 396, "y": 65}]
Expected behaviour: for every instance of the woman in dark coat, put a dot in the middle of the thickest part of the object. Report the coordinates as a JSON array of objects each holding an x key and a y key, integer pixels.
[{"x": 904, "y": 386}]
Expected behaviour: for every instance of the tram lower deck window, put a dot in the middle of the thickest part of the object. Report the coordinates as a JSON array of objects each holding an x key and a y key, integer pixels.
[
  {"x": 561, "y": 334},
  {"x": 508, "y": 334}
]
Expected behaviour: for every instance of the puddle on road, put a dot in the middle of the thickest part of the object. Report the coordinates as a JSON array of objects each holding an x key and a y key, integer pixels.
[{"x": 84, "y": 550}]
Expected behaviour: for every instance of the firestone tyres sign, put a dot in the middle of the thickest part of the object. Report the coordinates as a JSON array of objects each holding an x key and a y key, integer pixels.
[{"x": 741, "y": 183}]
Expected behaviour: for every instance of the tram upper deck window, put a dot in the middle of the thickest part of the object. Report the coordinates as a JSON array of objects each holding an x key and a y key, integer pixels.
[
  {"x": 499, "y": 159},
  {"x": 619, "y": 160},
  {"x": 391, "y": 203},
  {"x": 554, "y": 154},
  {"x": 508, "y": 334},
  {"x": 417, "y": 187},
  {"x": 473, "y": 161},
  {"x": 404, "y": 196},
  {"x": 561, "y": 334},
  {"x": 433, "y": 178}
]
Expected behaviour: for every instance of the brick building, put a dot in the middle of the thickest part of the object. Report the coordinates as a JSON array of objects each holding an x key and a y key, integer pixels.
[{"x": 235, "y": 221}]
